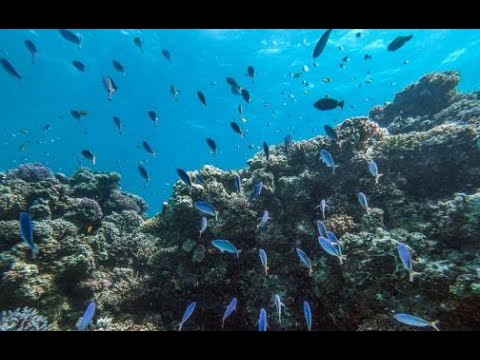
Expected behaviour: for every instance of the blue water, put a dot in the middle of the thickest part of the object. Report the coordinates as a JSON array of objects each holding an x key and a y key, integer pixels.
[{"x": 201, "y": 59}]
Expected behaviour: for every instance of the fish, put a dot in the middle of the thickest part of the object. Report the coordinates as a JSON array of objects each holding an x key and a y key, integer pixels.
[
  {"x": 119, "y": 67},
  {"x": 362, "y": 199},
  {"x": 358, "y": 35},
  {"x": 26, "y": 232},
  {"x": 186, "y": 315},
  {"x": 332, "y": 237},
  {"x": 232, "y": 306},
  {"x": 278, "y": 305},
  {"x": 405, "y": 62},
  {"x": 148, "y": 148},
  {"x": 245, "y": 95},
  {"x": 78, "y": 114},
  {"x": 87, "y": 317},
  {"x": 328, "y": 159},
  {"x": 406, "y": 258},
  {"x": 226, "y": 246},
  {"x": 322, "y": 229},
  {"x": 143, "y": 173},
  {"x": 71, "y": 36},
  {"x": 330, "y": 131},
  {"x": 183, "y": 175},
  {"x": 174, "y": 91},
  {"x": 203, "y": 226},
  {"x": 87, "y": 154},
  {"x": 236, "y": 90},
  {"x": 236, "y": 128},
  {"x": 264, "y": 219},
  {"x": 206, "y": 208},
  {"x": 321, "y": 44},
  {"x": 327, "y": 80},
  {"x": 416, "y": 321},
  {"x": 251, "y": 71},
  {"x": 201, "y": 97},
  {"x": 138, "y": 43},
  {"x": 199, "y": 179},
  {"x": 47, "y": 127},
  {"x": 232, "y": 82},
  {"x": 166, "y": 54},
  {"x": 32, "y": 49},
  {"x": 296, "y": 75},
  {"x": 367, "y": 57},
  {"x": 305, "y": 68},
  {"x": 212, "y": 145},
  {"x": 110, "y": 86},
  {"x": 263, "y": 259},
  {"x": 398, "y": 42},
  {"x": 331, "y": 248},
  {"x": 266, "y": 150},
  {"x": 240, "y": 109},
  {"x": 78, "y": 65},
  {"x": 323, "y": 205},
  {"x": 118, "y": 123},
  {"x": 10, "y": 69},
  {"x": 153, "y": 116},
  {"x": 342, "y": 66},
  {"x": 262, "y": 320},
  {"x": 327, "y": 103},
  {"x": 305, "y": 260},
  {"x": 257, "y": 190},
  {"x": 287, "y": 142},
  {"x": 238, "y": 183},
  {"x": 308, "y": 314},
  {"x": 373, "y": 168}
]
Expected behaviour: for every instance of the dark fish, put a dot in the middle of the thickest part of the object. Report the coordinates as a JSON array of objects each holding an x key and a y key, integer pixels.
[
  {"x": 213, "y": 146},
  {"x": 143, "y": 173},
  {"x": 79, "y": 65},
  {"x": 118, "y": 123},
  {"x": 201, "y": 97},
  {"x": 231, "y": 81},
  {"x": 118, "y": 66},
  {"x": 236, "y": 90},
  {"x": 78, "y": 114},
  {"x": 70, "y": 36},
  {"x": 346, "y": 59},
  {"x": 328, "y": 104},
  {"x": 110, "y": 86},
  {"x": 240, "y": 109},
  {"x": 266, "y": 150},
  {"x": 32, "y": 48},
  {"x": 358, "y": 35},
  {"x": 87, "y": 154},
  {"x": 321, "y": 44},
  {"x": 251, "y": 71},
  {"x": 367, "y": 57},
  {"x": 236, "y": 128},
  {"x": 153, "y": 116},
  {"x": 342, "y": 66},
  {"x": 398, "y": 42},
  {"x": 183, "y": 175},
  {"x": 47, "y": 127},
  {"x": 199, "y": 179},
  {"x": 26, "y": 231},
  {"x": 246, "y": 95},
  {"x": 174, "y": 92},
  {"x": 330, "y": 131},
  {"x": 138, "y": 43},
  {"x": 166, "y": 54},
  {"x": 148, "y": 148},
  {"x": 288, "y": 142},
  {"x": 9, "y": 68}
]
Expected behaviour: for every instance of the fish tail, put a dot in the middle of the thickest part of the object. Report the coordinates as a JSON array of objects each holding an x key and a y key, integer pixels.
[
  {"x": 216, "y": 215},
  {"x": 334, "y": 167},
  {"x": 434, "y": 324},
  {"x": 238, "y": 253},
  {"x": 310, "y": 272},
  {"x": 180, "y": 324},
  {"x": 341, "y": 258},
  {"x": 412, "y": 274},
  {"x": 377, "y": 178},
  {"x": 223, "y": 322}
]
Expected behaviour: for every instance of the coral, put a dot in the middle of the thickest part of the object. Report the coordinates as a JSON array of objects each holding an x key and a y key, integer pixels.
[
  {"x": 23, "y": 319},
  {"x": 31, "y": 172}
]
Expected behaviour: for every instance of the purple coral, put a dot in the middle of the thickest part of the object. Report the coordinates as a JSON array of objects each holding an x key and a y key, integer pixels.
[
  {"x": 31, "y": 172},
  {"x": 93, "y": 207}
]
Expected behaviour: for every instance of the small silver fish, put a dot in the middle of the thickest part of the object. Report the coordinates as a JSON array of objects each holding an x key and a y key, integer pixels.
[
  {"x": 278, "y": 305},
  {"x": 323, "y": 205},
  {"x": 263, "y": 260},
  {"x": 203, "y": 226},
  {"x": 373, "y": 168},
  {"x": 264, "y": 219}
]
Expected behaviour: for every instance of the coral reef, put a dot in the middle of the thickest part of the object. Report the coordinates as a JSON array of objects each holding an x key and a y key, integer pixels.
[
  {"x": 24, "y": 319},
  {"x": 96, "y": 243}
]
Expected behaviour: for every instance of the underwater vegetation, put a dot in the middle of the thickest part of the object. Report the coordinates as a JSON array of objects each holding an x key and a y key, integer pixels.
[{"x": 393, "y": 245}]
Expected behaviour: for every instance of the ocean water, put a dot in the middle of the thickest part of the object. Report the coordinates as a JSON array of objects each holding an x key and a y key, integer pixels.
[{"x": 200, "y": 60}]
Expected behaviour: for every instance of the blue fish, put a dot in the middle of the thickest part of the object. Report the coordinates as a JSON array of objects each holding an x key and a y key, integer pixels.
[
  {"x": 263, "y": 260},
  {"x": 186, "y": 315},
  {"x": 305, "y": 260},
  {"x": 362, "y": 199},
  {"x": 238, "y": 183},
  {"x": 373, "y": 168},
  {"x": 87, "y": 317},
  {"x": 232, "y": 306},
  {"x": 226, "y": 246},
  {"x": 288, "y": 142},
  {"x": 279, "y": 304},
  {"x": 185, "y": 178},
  {"x": 203, "y": 226},
  {"x": 199, "y": 179},
  {"x": 330, "y": 131},
  {"x": 26, "y": 231},
  {"x": 331, "y": 248},
  {"x": 406, "y": 258},
  {"x": 332, "y": 237},
  {"x": 416, "y": 321},
  {"x": 322, "y": 229},
  {"x": 328, "y": 159},
  {"x": 206, "y": 208},
  {"x": 266, "y": 150},
  {"x": 323, "y": 205},
  {"x": 71, "y": 36},
  {"x": 256, "y": 191},
  {"x": 262, "y": 320},
  {"x": 264, "y": 219},
  {"x": 308, "y": 314}
]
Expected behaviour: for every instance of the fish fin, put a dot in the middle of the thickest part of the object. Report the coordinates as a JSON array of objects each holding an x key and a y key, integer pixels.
[
  {"x": 378, "y": 178},
  {"x": 434, "y": 324}
]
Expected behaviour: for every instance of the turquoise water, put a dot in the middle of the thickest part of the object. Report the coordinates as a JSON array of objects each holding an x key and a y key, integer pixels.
[{"x": 201, "y": 59}]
